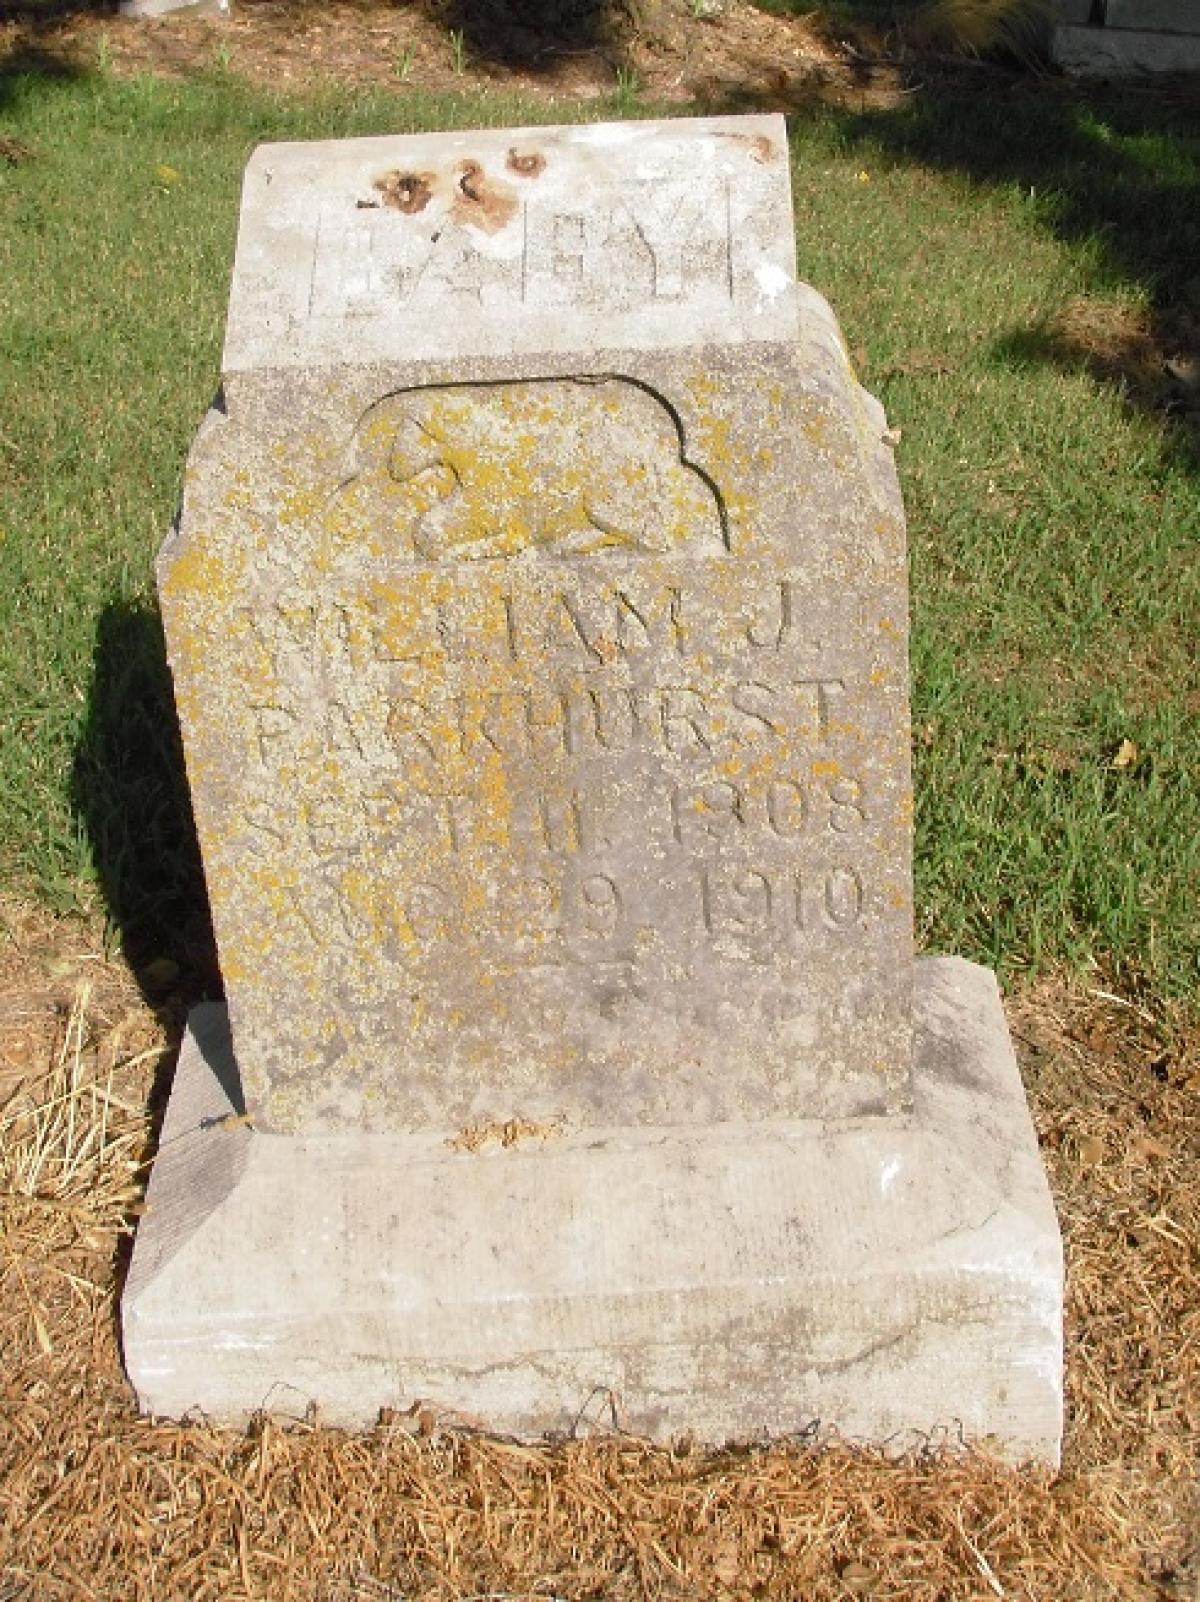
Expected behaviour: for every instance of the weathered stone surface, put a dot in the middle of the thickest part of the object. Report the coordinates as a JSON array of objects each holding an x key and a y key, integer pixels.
[
  {"x": 545, "y": 712},
  {"x": 449, "y": 247},
  {"x": 1078, "y": 11},
  {"x": 1121, "y": 52},
  {"x": 1154, "y": 16},
  {"x": 888, "y": 1278}
]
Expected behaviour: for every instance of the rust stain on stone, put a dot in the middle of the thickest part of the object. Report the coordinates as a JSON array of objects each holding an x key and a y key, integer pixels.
[
  {"x": 409, "y": 192},
  {"x": 759, "y": 146},
  {"x": 480, "y": 201},
  {"x": 526, "y": 164}
]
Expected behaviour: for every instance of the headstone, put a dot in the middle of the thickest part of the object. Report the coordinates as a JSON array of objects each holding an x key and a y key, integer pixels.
[
  {"x": 562, "y": 765},
  {"x": 537, "y": 613}
]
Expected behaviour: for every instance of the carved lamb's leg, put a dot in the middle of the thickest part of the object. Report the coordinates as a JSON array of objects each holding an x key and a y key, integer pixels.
[
  {"x": 436, "y": 531},
  {"x": 413, "y": 449},
  {"x": 599, "y": 529}
]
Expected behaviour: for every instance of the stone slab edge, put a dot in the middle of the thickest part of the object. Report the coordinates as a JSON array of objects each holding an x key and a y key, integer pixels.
[{"x": 891, "y": 1281}]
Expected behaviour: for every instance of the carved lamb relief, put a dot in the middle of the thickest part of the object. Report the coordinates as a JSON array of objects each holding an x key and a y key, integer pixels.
[{"x": 567, "y": 467}]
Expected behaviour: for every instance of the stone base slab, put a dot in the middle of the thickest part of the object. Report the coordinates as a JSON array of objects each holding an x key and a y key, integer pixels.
[{"x": 891, "y": 1278}]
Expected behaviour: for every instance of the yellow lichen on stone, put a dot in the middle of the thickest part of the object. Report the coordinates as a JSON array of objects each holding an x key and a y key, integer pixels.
[{"x": 486, "y": 695}]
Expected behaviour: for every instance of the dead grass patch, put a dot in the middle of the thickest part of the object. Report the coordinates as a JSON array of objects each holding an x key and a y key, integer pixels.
[
  {"x": 43, "y": 963},
  {"x": 1153, "y": 357},
  {"x": 14, "y": 151},
  {"x": 97, "y": 1503}
]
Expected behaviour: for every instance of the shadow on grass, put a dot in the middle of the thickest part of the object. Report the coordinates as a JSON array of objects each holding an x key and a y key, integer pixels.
[
  {"x": 34, "y": 15},
  {"x": 1120, "y": 174},
  {"x": 129, "y": 787},
  {"x": 1115, "y": 171},
  {"x": 538, "y": 35},
  {"x": 30, "y": 64},
  {"x": 1133, "y": 356}
]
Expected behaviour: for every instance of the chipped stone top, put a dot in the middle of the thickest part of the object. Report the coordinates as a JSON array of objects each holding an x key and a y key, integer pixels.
[{"x": 627, "y": 236}]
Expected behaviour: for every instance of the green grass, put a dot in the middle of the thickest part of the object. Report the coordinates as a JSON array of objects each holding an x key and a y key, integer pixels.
[
  {"x": 1054, "y": 525},
  {"x": 116, "y": 240},
  {"x": 1055, "y": 529}
]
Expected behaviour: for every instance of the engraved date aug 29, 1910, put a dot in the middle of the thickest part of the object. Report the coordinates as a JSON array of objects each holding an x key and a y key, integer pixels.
[{"x": 546, "y": 919}]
